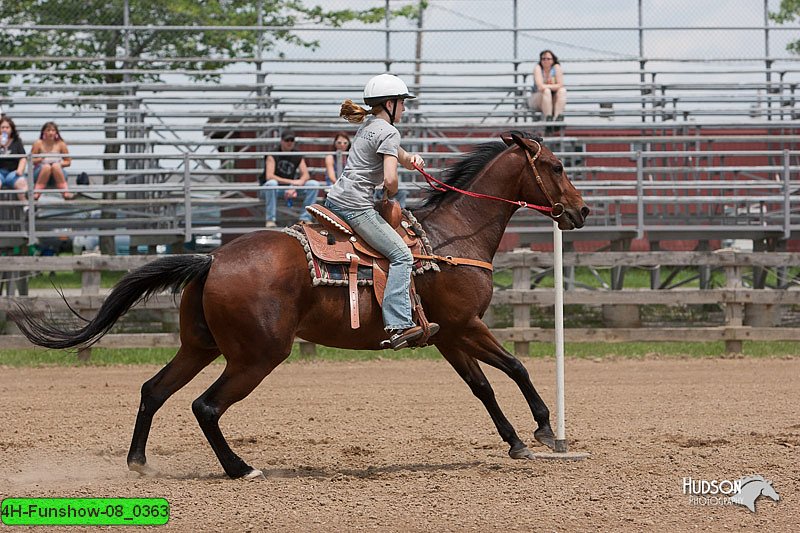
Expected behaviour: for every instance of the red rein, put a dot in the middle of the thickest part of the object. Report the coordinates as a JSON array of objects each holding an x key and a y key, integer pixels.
[{"x": 441, "y": 186}]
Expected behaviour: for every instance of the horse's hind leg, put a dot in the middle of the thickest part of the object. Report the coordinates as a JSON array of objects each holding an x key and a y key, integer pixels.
[
  {"x": 472, "y": 374},
  {"x": 235, "y": 383},
  {"x": 184, "y": 366}
]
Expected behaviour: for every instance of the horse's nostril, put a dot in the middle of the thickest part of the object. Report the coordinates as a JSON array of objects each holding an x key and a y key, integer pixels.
[{"x": 585, "y": 211}]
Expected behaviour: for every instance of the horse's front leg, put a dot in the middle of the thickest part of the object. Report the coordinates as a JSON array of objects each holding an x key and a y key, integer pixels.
[
  {"x": 481, "y": 344},
  {"x": 471, "y": 373}
]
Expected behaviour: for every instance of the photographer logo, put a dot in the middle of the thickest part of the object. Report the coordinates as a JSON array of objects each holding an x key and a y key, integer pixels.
[{"x": 744, "y": 491}]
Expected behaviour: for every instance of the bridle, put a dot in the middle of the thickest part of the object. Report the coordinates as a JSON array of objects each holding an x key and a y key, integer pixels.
[{"x": 555, "y": 210}]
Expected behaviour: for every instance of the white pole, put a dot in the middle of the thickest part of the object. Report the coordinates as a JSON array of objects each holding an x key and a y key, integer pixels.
[
  {"x": 558, "y": 273},
  {"x": 560, "y": 448}
]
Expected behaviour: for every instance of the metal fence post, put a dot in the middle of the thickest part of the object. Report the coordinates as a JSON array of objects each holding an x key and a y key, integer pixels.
[
  {"x": 787, "y": 196},
  {"x": 639, "y": 195},
  {"x": 31, "y": 206},
  {"x": 187, "y": 200}
]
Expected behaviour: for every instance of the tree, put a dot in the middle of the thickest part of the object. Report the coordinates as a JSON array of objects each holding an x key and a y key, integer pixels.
[{"x": 788, "y": 11}]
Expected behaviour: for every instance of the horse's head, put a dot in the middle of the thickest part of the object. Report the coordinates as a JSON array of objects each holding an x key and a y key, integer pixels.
[{"x": 548, "y": 184}]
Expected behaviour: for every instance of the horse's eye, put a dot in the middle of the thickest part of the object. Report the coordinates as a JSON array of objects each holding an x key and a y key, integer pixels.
[{"x": 558, "y": 169}]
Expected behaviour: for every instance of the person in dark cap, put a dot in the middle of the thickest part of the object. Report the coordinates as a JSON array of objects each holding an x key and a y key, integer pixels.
[{"x": 289, "y": 170}]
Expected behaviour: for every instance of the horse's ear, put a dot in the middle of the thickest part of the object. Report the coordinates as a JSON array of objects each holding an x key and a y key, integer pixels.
[{"x": 514, "y": 137}]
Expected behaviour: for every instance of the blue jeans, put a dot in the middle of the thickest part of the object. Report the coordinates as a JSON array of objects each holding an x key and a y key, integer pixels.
[
  {"x": 271, "y": 198},
  {"x": 8, "y": 178},
  {"x": 376, "y": 232}
]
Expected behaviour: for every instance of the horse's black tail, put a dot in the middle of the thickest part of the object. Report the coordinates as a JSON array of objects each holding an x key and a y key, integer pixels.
[{"x": 172, "y": 272}]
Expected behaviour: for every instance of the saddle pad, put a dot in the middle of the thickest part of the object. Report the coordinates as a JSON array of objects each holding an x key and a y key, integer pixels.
[{"x": 336, "y": 273}]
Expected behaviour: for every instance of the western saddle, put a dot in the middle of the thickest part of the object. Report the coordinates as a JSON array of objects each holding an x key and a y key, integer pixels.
[{"x": 331, "y": 241}]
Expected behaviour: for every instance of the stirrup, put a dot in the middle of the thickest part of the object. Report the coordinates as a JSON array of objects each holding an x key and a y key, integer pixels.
[{"x": 406, "y": 338}]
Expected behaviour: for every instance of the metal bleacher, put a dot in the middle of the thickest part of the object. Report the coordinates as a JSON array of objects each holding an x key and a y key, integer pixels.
[{"x": 661, "y": 150}]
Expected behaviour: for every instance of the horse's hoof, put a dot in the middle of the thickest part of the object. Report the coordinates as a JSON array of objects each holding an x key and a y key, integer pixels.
[
  {"x": 520, "y": 453},
  {"x": 545, "y": 436},
  {"x": 143, "y": 469},
  {"x": 255, "y": 474}
]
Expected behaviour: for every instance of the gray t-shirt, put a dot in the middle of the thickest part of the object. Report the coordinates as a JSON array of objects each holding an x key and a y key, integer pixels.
[{"x": 364, "y": 170}]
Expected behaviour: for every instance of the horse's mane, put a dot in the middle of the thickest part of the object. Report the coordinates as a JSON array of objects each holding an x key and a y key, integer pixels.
[{"x": 465, "y": 169}]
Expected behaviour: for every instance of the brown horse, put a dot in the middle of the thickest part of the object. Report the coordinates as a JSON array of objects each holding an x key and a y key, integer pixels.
[{"x": 249, "y": 299}]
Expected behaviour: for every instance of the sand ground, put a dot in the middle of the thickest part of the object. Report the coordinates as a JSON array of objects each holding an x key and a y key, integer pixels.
[{"x": 404, "y": 446}]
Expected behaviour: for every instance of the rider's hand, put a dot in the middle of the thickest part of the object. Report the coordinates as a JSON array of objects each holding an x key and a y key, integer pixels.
[{"x": 416, "y": 160}]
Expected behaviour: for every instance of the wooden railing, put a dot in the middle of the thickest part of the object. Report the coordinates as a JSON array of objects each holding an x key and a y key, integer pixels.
[{"x": 747, "y": 311}]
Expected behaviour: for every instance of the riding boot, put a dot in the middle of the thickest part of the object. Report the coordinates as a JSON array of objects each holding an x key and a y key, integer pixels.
[{"x": 405, "y": 338}]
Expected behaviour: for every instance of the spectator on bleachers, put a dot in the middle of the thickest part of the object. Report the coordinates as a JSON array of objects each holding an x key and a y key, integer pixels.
[
  {"x": 12, "y": 170},
  {"x": 51, "y": 168},
  {"x": 549, "y": 93},
  {"x": 334, "y": 164},
  {"x": 290, "y": 170}
]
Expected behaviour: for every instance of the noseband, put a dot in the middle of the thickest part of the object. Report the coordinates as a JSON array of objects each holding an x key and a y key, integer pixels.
[{"x": 555, "y": 210}]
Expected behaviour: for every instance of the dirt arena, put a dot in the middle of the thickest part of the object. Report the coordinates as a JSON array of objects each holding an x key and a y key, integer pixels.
[{"x": 404, "y": 446}]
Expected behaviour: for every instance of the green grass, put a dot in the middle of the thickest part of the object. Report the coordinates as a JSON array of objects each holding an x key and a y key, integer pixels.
[
  {"x": 70, "y": 280},
  {"x": 637, "y": 278},
  {"x": 586, "y": 350},
  {"x": 99, "y": 357},
  {"x": 629, "y": 350},
  {"x": 160, "y": 356}
]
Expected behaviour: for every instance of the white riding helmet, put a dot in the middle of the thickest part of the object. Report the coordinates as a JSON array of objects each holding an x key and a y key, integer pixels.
[{"x": 385, "y": 87}]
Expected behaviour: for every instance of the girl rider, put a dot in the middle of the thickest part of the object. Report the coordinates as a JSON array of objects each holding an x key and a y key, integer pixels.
[{"x": 372, "y": 161}]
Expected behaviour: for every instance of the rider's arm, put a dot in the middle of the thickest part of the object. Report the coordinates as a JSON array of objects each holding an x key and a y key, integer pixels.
[
  {"x": 390, "y": 174},
  {"x": 409, "y": 160}
]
